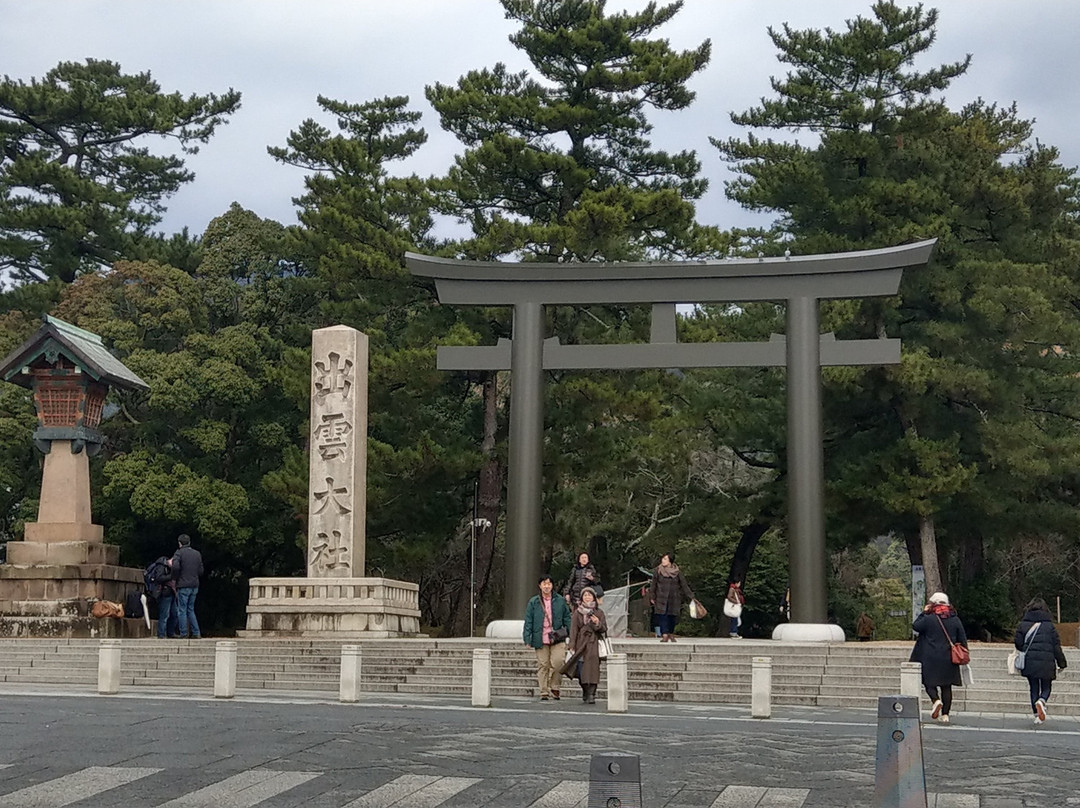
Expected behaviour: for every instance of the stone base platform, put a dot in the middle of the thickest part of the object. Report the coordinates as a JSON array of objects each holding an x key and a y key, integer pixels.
[
  {"x": 344, "y": 608},
  {"x": 73, "y": 627}
]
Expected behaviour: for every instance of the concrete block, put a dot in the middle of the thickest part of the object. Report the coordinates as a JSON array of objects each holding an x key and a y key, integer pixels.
[
  {"x": 481, "y": 677},
  {"x": 911, "y": 679},
  {"x": 224, "y": 669},
  {"x": 349, "y": 689},
  {"x": 761, "y": 688},
  {"x": 109, "y": 667},
  {"x": 617, "y": 690}
]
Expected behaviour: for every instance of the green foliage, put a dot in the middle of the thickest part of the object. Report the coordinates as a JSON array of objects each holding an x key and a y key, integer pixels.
[{"x": 77, "y": 188}]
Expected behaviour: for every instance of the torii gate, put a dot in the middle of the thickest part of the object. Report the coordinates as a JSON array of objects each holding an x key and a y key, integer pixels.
[{"x": 797, "y": 281}]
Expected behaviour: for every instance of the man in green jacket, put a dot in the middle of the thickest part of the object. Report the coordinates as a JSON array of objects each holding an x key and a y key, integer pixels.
[{"x": 547, "y": 626}]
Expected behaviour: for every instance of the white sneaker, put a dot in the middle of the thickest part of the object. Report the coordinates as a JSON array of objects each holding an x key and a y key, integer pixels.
[
  {"x": 1037, "y": 720},
  {"x": 935, "y": 711},
  {"x": 1040, "y": 710},
  {"x": 944, "y": 719}
]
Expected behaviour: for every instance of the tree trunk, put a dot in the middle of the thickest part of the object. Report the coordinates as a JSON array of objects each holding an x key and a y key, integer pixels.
[{"x": 928, "y": 542}]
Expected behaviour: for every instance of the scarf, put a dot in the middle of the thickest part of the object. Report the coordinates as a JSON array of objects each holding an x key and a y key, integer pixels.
[
  {"x": 942, "y": 610},
  {"x": 670, "y": 571},
  {"x": 584, "y": 610}
]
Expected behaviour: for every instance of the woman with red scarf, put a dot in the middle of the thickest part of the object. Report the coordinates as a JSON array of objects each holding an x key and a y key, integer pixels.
[{"x": 939, "y": 629}]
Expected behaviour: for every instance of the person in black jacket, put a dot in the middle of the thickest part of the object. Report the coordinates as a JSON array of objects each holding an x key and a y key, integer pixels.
[
  {"x": 582, "y": 575},
  {"x": 187, "y": 569},
  {"x": 939, "y": 629},
  {"x": 1043, "y": 657}
]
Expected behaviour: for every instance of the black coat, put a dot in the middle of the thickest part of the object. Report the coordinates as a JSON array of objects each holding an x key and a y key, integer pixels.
[
  {"x": 187, "y": 567},
  {"x": 581, "y": 577},
  {"x": 932, "y": 649},
  {"x": 1044, "y": 655}
]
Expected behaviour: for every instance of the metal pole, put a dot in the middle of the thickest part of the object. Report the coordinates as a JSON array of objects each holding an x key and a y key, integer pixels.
[
  {"x": 524, "y": 475},
  {"x": 806, "y": 464}
]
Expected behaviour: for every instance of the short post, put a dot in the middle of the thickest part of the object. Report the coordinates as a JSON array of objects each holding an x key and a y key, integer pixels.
[
  {"x": 350, "y": 674},
  {"x": 900, "y": 779},
  {"x": 224, "y": 669},
  {"x": 108, "y": 671},
  {"x": 761, "y": 687},
  {"x": 911, "y": 679},
  {"x": 616, "y": 684},
  {"x": 481, "y": 677}
]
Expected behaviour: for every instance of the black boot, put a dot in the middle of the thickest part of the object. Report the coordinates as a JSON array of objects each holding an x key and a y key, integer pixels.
[
  {"x": 592, "y": 694},
  {"x": 584, "y": 694}
]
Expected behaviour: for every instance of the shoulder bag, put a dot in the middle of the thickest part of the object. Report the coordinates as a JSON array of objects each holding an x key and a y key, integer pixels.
[
  {"x": 603, "y": 647},
  {"x": 1018, "y": 658},
  {"x": 957, "y": 653}
]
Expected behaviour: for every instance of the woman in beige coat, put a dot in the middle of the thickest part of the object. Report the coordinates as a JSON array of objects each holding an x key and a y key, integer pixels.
[{"x": 587, "y": 625}]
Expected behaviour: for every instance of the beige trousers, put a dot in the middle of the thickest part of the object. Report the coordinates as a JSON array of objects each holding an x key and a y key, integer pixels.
[{"x": 549, "y": 659}]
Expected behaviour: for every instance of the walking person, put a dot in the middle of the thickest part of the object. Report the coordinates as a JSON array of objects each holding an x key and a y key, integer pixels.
[
  {"x": 587, "y": 625},
  {"x": 864, "y": 627},
  {"x": 168, "y": 614},
  {"x": 736, "y": 598},
  {"x": 582, "y": 575},
  {"x": 547, "y": 626},
  {"x": 939, "y": 629},
  {"x": 187, "y": 569},
  {"x": 1038, "y": 637},
  {"x": 666, "y": 595}
]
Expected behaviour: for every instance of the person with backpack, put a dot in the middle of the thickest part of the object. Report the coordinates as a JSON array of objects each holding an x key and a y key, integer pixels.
[
  {"x": 187, "y": 567},
  {"x": 158, "y": 577}
]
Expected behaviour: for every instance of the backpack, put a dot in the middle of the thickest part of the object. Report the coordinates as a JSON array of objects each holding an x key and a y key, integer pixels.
[
  {"x": 156, "y": 574},
  {"x": 133, "y": 604}
]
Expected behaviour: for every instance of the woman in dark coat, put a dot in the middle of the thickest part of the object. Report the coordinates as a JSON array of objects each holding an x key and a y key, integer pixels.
[
  {"x": 582, "y": 575},
  {"x": 1044, "y": 656},
  {"x": 666, "y": 593},
  {"x": 939, "y": 628},
  {"x": 587, "y": 625}
]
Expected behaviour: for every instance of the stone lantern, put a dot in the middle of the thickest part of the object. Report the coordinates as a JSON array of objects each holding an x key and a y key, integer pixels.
[{"x": 63, "y": 564}]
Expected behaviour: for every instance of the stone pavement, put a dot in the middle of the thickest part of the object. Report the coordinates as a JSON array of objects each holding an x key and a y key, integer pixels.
[{"x": 169, "y": 748}]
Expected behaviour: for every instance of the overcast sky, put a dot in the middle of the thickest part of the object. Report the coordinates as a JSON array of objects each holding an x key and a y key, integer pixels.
[{"x": 281, "y": 54}]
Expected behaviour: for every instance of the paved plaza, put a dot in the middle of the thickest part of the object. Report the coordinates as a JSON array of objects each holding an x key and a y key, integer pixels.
[{"x": 169, "y": 749}]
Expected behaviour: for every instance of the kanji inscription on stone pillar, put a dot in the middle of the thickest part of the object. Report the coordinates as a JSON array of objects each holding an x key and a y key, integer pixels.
[{"x": 337, "y": 476}]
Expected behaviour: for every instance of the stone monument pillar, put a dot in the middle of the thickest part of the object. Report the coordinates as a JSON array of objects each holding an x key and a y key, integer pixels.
[
  {"x": 335, "y": 599},
  {"x": 337, "y": 477},
  {"x": 53, "y": 576}
]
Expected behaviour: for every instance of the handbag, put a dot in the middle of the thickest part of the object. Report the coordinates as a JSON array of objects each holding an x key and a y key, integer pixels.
[
  {"x": 559, "y": 635},
  {"x": 957, "y": 653},
  {"x": 1017, "y": 659},
  {"x": 697, "y": 611},
  {"x": 732, "y": 609},
  {"x": 1010, "y": 662},
  {"x": 603, "y": 647}
]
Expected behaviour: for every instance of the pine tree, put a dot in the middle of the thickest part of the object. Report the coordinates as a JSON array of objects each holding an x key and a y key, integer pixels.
[
  {"x": 978, "y": 418},
  {"x": 78, "y": 190}
]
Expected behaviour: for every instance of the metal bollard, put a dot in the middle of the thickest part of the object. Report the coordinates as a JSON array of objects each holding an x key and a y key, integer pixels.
[
  {"x": 617, "y": 688},
  {"x": 481, "y": 677},
  {"x": 761, "y": 687},
  {"x": 911, "y": 679},
  {"x": 224, "y": 669},
  {"x": 614, "y": 780},
  {"x": 900, "y": 779},
  {"x": 349, "y": 690},
  {"x": 108, "y": 671}
]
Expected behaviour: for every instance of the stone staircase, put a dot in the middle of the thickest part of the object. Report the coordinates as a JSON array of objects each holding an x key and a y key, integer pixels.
[{"x": 693, "y": 671}]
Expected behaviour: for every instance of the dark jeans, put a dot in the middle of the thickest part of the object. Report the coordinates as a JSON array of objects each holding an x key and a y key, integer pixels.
[
  {"x": 1040, "y": 689},
  {"x": 166, "y": 613},
  {"x": 185, "y": 604},
  {"x": 666, "y": 623},
  {"x": 945, "y": 698}
]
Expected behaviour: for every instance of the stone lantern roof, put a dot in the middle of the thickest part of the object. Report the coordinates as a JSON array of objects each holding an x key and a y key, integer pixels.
[{"x": 86, "y": 351}]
